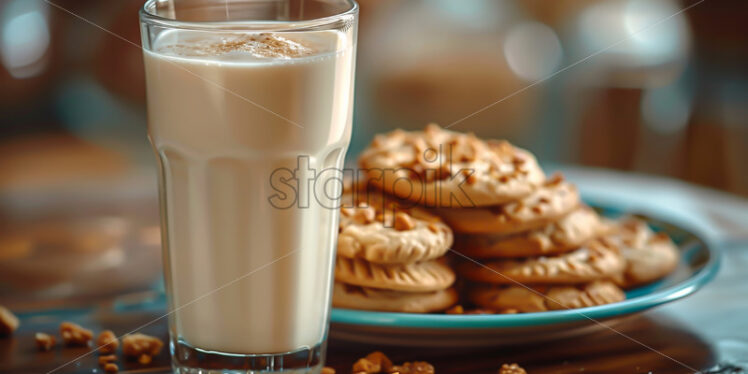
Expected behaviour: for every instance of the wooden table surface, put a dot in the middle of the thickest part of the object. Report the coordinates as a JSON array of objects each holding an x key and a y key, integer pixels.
[
  {"x": 52, "y": 268},
  {"x": 702, "y": 331}
]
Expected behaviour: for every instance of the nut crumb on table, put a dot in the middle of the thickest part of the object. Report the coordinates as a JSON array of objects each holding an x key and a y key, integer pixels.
[
  {"x": 145, "y": 359},
  {"x": 8, "y": 321},
  {"x": 111, "y": 368},
  {"x": 363, "y": 365},
  {"x": 75, "y": 335},
  {"x": 380, "y": 359},
  {"x": 511, "y": 369},
  {"x": 137, "y": 345},
  {"x": 378, "y": 362},
  {"x": 415, "y": 367},
  {"x": 108, "y": 359},
  {"x": 107, "y": 342},
  {"x": 44, "y": 342}
]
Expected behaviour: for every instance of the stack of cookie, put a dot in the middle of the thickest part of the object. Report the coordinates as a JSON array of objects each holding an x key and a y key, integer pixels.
[
  {"x": 519, "y": 232},
  {"x": 524, "y": 242},
  {"x": 541, "y": 252},
  {"x": 390, "y": 256}
]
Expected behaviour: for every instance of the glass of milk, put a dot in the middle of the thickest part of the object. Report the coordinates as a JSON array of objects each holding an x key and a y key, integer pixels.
[{"x": 249, "y": 112}]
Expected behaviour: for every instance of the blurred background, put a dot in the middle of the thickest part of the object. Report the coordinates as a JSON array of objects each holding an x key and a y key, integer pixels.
[
  {"x": 642, "y": 86},
  {"x": 633, "y": 85}
]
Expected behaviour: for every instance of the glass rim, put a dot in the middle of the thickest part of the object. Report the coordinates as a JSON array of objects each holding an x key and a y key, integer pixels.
[{"x": 148, "y": 17}]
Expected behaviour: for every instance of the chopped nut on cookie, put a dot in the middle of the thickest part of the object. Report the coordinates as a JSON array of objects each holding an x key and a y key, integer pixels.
[
  {"x": 327, "y": 370},
  {"x": 431, "y": 161},
  {"x": 403, "y": 222},
  {"x": 8, "y": 321},
  {"x": 364, "y": 215},
  {"x": 382, "y": 230},
  {"x": 136, "y": 345},
  {"x": 511, "y": 369},
  {"x": 75, "y": 335},
  {"x": 107, "y": 342},
  {"x": 44, "y": 342},
  {"x": 433, "y": 228}
]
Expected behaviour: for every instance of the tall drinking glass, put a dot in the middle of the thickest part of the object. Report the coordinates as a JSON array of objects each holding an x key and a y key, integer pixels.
[{"x": 249, "y": 112}]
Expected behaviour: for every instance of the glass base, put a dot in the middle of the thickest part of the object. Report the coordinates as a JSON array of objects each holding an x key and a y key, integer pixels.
[{"x": 190, "y": 360}]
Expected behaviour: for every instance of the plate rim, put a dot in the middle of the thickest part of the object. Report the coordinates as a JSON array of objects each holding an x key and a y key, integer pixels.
[{"x": 445, "y": 321}]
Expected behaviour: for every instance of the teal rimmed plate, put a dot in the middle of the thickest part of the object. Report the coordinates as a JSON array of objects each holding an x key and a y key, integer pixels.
[{"x": 698, "y": 264}]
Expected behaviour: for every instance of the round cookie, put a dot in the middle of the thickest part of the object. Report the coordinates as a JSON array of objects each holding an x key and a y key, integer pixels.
[
  {"x": 381, "y": 231},
  {"x": 547, "y": 204},
  {"x": 563, "y": 235},
  {"x": 545, "y": 298},
  {"x": 416, "y": 277},
  {"x": 598, "y": 259},
  {"x": 441, "y": 168},
  {"x": 649, "y": 256},
  {"x": 354, "y": 297}
]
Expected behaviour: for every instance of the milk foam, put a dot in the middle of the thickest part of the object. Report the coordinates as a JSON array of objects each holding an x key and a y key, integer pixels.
[{"x": 263, "y": 45}]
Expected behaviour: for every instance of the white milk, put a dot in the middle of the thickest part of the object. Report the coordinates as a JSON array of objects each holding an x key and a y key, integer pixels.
[{"x": 231, "y": 286}]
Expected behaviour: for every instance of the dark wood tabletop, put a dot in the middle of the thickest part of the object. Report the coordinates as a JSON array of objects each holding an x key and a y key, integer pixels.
[{"x": 700, "y": 333}]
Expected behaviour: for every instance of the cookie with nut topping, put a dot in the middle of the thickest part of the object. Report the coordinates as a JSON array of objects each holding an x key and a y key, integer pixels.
[
  {"x": 425, "y": 276},
  {"x": 440, "y": 168},
  {"x": 566, "y": 234},
  {"x": 649, "y": 256},
  {"x": 355, "y": 297},
  {"x": 381, "y": 230},
  {"x": 598, "y": 259},
  {"x": 544, "y": 298},
  {"x": 554, "y": 200}
]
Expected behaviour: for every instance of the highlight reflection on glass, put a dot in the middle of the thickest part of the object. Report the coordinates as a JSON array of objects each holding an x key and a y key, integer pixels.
[{"x": 25, "y": 38}]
